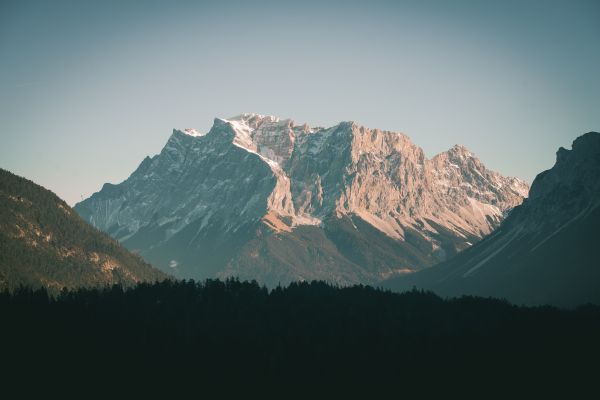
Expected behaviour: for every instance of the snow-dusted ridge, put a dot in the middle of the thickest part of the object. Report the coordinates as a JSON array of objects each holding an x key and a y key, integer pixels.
[
  {"x": 192, "y": 132},
  {"x": 456, "y": 176},
  {"x": 259, "y": 169}
]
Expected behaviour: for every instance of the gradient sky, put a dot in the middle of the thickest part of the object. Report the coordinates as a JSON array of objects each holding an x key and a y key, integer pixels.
[{"x": 88, "y": 89}]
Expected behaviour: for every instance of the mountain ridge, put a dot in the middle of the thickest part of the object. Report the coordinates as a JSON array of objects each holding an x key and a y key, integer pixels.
[
  {"x": 253, "y": 171},
  {"x": 544, "y": 251}
]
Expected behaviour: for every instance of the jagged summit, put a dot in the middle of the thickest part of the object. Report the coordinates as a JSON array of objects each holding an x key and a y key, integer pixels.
[
  {"x": 583, "y": 146},
  {"x": 257, "y": 173},
  {"x": 459, "y": 150},
  {"x": 588, "y": 143},
  {"x": 192, "y": 132},
  {"x": 545, "y": 250},
  {"x": 254, "y": 118},
  {"x": 590, "y": 138}
]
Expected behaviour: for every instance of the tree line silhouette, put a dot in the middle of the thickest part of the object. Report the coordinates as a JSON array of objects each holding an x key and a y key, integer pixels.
[{"x": 235, "y": 335}]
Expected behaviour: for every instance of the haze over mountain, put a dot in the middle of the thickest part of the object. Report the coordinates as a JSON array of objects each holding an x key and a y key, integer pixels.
[
  {"x": 46, "y": 244},
  {"x": 546, "y": 251},
  {"x": 262, "y": 198}
]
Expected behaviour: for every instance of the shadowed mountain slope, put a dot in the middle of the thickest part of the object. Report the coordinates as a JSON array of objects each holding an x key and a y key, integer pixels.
[
  {"x": 44, "y": 243},
  {"x": 546, "y": 251}
]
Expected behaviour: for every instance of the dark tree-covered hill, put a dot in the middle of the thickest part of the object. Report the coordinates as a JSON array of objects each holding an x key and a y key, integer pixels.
[
  {"x": 44, "y": 243},
  {"x": 313, "y": 338}
]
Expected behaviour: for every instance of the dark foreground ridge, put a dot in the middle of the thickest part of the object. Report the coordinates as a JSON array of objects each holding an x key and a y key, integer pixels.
[{"x": 238, "y": 336}]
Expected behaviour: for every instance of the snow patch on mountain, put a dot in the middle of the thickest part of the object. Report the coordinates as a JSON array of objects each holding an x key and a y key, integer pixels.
[
  {"x": 254, "y": 168},
  {"x": 193, "y": 132}
]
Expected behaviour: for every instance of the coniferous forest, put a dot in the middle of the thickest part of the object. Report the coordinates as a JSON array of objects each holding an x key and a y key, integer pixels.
[
  {"x": 233, "y": 336},
  {"x": 44, "y": 243}
]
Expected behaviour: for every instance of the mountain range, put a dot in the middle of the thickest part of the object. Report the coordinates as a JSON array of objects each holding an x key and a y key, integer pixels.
[
  {"x": 44, "y": 243},
  {"x": 545, "y": 251},
  {"x": 263, "y": 198}
]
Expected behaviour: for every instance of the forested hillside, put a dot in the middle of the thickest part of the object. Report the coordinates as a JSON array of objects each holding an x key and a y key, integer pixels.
[
  {"x": 235, "y": 336},
  {"x": 44, "y": 243}
]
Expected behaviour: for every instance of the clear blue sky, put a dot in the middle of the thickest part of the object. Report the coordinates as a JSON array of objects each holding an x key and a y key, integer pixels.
[{"x": 87, "y": 89}]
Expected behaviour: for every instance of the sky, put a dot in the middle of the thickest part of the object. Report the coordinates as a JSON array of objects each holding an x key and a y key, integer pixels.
[{"x": 88, "y": 89}]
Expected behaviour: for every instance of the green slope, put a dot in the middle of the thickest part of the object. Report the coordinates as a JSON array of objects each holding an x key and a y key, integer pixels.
[{"x": 44, "y": 243}]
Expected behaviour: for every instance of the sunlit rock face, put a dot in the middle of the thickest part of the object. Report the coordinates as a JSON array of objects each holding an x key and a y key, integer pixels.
[
  {"x": 545, "y": 251},
  {"x": 262, "y": 198}
]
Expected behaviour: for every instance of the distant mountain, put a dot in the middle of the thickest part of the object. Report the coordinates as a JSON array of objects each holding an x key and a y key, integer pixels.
[
  {"x": 546, "y": 251},
  {"x": 44, "y": 243},
  {"x": 262, "y": 198}
]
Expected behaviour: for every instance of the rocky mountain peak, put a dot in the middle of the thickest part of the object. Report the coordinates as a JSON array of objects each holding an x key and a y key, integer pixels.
[
  {"x": 588, "y": 142},
  {"x": 253, "y": 171},
  {"x": 254, "y": 120},
  {"x": 545, "y": 251},
  {"x": 583, "y": 148},
  {"x": 192, "y": 132},
  {"x": 577, "y": 169},
  {"x": 459, "y": 150}
]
